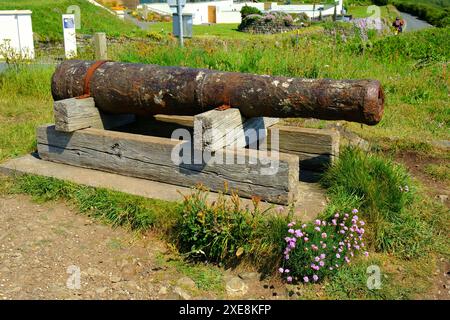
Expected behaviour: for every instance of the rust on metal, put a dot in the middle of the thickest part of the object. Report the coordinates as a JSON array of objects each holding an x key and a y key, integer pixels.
[
  {"x": 87, "y": 79},
  {"x": 146, "y": 89}
]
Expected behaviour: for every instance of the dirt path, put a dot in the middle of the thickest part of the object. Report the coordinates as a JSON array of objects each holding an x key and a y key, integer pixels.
[
  {"x": 413, "y": 23},
  {"x": 42, "y": 248}
]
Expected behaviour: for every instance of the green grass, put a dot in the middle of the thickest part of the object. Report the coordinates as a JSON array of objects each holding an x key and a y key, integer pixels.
[
  {"x": 223, "y": 31},
  {"x": 439, "y": 172},
  {"x": 401, "y": 221},
  {"x": 47, "y": 23}
]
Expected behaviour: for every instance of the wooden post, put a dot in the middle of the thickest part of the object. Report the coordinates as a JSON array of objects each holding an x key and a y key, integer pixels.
[{"x": 101, "y": 50}]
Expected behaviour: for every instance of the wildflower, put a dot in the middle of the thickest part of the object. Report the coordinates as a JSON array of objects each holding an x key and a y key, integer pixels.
[
  {"x": 306, "y": 239},
  {"x": 355, "y": 217},
  {"x": 298, "y": 233},
  {"x": 324, "y": 235},
  {"x": 340, "y": 250},
  {"x": 346, "y": 215},
  {"x": 342, "y": 231},
  {"x": 362, "y": 222},
  {"x": 280, "y": 209},
  {"x": 406, "y": 189},
  {"x": 303, "y": 226},
  {"x": 336, "y": 215},
  {"x": 334, "y": 222},
  {"x": 321, "y": 263},
  {"x": 289, "y": 279},
  {"x": 324, "y": 245},
  {"x": 286, "y": 257},
  {"x": 347, "y": 259},
  {"x": 291, "y": 231},
  {"x": 317, "y": 229},
  {"x": 331, "y": 268},
  {"x": 314, "y": 247},
  {"x": 316, "y": 259},
  {"x": 315, "y": 278},
  {"x": 322, "y": 256},
  {"x": 338, "y": 255},
  {"x": 366, "y": 253},
  {"x": 324, "y": 223},
  {"x": 317, "y": 222},
  {"x": 281, "y": 270},
  {"x": 354, "y": 211},
  {"x": 306, "y": 279},
  {"x": 286, "y": 270}
]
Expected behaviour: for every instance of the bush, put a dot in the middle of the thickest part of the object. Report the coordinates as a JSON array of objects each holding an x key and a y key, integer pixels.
[
  {"x": 316, "y": 250},
  {"x": 223, "y": 232},
  {"x": 248, "y": 10}
]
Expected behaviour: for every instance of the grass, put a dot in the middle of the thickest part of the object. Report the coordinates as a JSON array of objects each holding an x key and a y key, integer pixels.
[
  {"x": 223, "y": 31},
  {"x": 47, "y": 23},
  {"x": 439, "y": 172}
]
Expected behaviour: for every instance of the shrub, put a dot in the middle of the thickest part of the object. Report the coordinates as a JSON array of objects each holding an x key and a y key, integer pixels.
[
  {"x": 224, "y": 232},
  {"x": 248, "y": 10},
  {"x": 316, "y": 250}
]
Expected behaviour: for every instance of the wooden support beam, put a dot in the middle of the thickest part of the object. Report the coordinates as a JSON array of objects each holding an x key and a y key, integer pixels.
[
  {"x": 215, "y": 129},
  {"x": 152, "y": 158},
  {"x": 316, "y": 148},
  {"x": 74, "y": 114}
]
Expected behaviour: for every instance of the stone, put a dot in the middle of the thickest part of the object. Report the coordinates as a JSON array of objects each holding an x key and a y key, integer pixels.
[
  {"x": 115, "y": 279},
  {"x": 186, "y": 282},
  {"x": 250, "y": 276},
  {"x": 128, "y": 272},
  {"x": 101, "y": 290},
  {"x": 236, "y": 287},
  {"x": 181, "y": 293},
  {"x": 162, "y": 290},
  {"x": 442, "y": 198},
  {"x": 94, "y": 272}
]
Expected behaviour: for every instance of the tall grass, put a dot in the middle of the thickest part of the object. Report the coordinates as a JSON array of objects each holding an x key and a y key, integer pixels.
[{"x": 388, "y": 200}]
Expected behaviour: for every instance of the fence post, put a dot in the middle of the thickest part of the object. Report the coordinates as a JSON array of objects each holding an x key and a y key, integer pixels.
[{"x": 101, "y": 52}]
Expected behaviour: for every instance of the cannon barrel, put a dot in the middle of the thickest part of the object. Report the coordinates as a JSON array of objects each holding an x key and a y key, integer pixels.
[{"x": 145, "y": 89}]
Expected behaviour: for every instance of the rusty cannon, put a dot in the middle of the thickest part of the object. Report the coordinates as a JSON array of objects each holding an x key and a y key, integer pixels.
[{"x": 145, "y": 89}]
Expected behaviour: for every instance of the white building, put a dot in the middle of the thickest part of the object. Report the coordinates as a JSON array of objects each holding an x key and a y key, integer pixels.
[
  {"x": 227, "y": 11},
  {"x": 16, "y": 33}
]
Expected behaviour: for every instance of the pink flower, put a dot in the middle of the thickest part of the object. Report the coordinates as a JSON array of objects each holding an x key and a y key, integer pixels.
[
  {"x": 303, "y": 226},
  {"x": 291, "y": 231},
  {"x": 305, "y": 239},
  {"x": 338, "y": 255},
  {"x": 324, "y": 235},
  {"x": 366, "y": 253},
  {"x": 334, "y": 222},
  {"x": 342, "y": 231},
  {"x": 286, "y": 257},
  {"x": 279, "y": 209},
  {"x": 324, "y": 245},
  {"x": 322, "y": 256},
  {"x": 281, "y": 270},
  {"x": 298, "y": 233},
  {"x": 321, "y": 263},
  {"x": 336, "y": 215},
  {"x": 354, "y": 211},
  {"x": 306, "y": 279},
  {"x": 317, "y": 222},
  {"x": 315, "y": 278},
  {"x": 355, "y": 218},
  {"x": 291, "y": 224},
  {"x": 324, "y": 223},
  {"x": 346, "y": 215},
  {"x": 317, "y": 229},
  {"x": 314, "y": 247},
  {"x": 289, "y": 279},
  {"x": 316, "y": 259},
  {"x": 286, "y": 270},
  {"x": 362, "y": 222}
]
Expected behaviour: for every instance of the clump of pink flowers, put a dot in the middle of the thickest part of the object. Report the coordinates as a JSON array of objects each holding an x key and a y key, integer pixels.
[{"x": 320, "y": 248}]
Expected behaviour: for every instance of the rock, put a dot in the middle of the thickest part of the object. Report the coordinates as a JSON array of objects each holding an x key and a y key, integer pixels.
[
  {"x": 186, "y": 282},
  {"x": 94, "y": 272},
  {"x": 181, "y": 294},
  {"x": 162, "y": 290},
  {"x": 101, "y": 290},
  {"x": 442, "y": 198},
  {"x": 352, "y": 138},
  {"x": 128, "y": 272},
  {"x": 236, "y": 287},
  {"x": 441, "y": 144},
  {"x": 115, "y": 279},
  {"x": 250, "y": 276}
]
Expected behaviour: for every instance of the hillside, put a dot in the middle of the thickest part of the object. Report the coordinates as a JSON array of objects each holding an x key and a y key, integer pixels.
[{"x": 47, "y": 18}]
